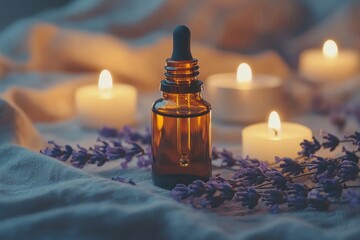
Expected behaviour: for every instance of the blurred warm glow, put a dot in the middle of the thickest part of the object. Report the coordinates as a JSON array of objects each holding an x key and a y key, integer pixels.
[
  {"x": 274, "y": 122},
  {"x": 330, "y": 49},
  {"x": 105, "y": 80},
  {"x": 244, "y": 73}
]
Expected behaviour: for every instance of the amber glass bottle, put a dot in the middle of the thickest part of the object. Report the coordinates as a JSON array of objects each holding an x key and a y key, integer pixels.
[{"x": 181, "y": 121}]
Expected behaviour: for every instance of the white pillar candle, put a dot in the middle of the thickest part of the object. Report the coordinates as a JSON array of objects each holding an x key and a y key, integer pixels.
[
  {"x": 242, "y": 97},
  {"x": 328, "y": 64},
  {"x": 106, "y": 104},
  {"x": 264, "y": 141}
]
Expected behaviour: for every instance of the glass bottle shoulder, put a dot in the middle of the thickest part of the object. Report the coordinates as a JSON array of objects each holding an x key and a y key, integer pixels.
[{"x": 181, "y": 105}]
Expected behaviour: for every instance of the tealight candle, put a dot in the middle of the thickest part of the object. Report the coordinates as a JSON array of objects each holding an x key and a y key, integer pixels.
[
  {"x": 328, "y": 64},
  {"x": 106, "y": 104},
  {"x": 242, "y": 97},
  {"x": 264, "y": 141}
]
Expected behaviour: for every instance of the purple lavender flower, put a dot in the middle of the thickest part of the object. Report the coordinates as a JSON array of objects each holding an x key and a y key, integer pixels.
[
  {"x": 290, "y": 166},
  {"x": 350, "y": 156},
  {"x": 332, "y": 187},
  {"x": 102, "y": 146},
  {"x": 98, "y": 157},
  {"x": 57, "y": 151},
  {"x": 318, "y": 201},
  {"x": 80, "y": 158},
  {"x": 123, "y": 180},
  {"x": 297, "y": 189},
  {"x": 228, "y": 159},
  {"x": 115, "y": 152},
  {"x": 331, "y": 141},
  {"x": 250, "y": 176},
  {"x": 353, "y": 196},
  {"x": 197, "y": 188},
  {"x": 322, "y": 165},
  {"x": 133, "y": 136},
  {"x": 107, "y": 132},
  {"x": 278, "y": 180},
  {"x": 179, "y": 192},
  {"x": 348, "y": 171},
  {"x": 218, "y": 190},
  {"x": 274, "y": 197},
  {"x": 297, "y": 196},
  {"x": 224, "y": 188},
  {"x": 309, "y": 148},
  {"x": 248, "y": 197},
  {"x": 355, "y": 138}
]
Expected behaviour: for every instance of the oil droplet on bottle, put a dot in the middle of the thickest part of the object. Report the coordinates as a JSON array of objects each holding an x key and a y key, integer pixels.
[{"x": 184, "y": 161}]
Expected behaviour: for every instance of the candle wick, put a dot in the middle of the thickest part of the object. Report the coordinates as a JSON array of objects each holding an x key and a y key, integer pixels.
[{"x": 275, "y": 131}]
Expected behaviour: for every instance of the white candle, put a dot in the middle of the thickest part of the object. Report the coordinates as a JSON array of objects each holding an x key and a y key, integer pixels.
[
  {"x": 264, "y": 141},
  {"x": 106, "y": 104},
  {"x": 328, "y": 64},
  {"x": 242, "y": 97}
]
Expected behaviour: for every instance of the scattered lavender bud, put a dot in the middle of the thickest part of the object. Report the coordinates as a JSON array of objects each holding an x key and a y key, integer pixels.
[
  {"x": 80, "y": 157},
  {"x": 331, "y": 141},
  {"x": 322, "y": 165},
  {"x": 279, "y": 181},
  {"x": 309, "y": 148},
  {"x": 250, "y": 176},
  {"x": 107, "y": 132},
  {"x": 115, "y": 152},
  {"x": 248, "y": 197},
  {"x": 228, "y": 159},
  {"x": 123, "y": 180},
  {"x": 348, "y": 171},
  {"x": 274, "y": 197},
  {"x": 332, "y": 187},
  {"x": 350, "y": 156},
  {"x": 99, "y": 158},
  {"x": 197, "y": 188},
  {"x": 57, "y": 151},
  {"x": 297, "y": 196},
  {"x": 290, "y": 166},
  {"x": 179, "y": 192},
  {"x": 355, "y": 138}
]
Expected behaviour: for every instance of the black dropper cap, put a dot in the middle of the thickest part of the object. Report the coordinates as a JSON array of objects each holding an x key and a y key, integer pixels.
[{"x": 181, "y": 44}]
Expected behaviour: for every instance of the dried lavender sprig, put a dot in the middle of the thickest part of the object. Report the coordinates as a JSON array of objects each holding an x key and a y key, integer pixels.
[
  {"x": 81, "y": 156},
  {"x": 123, "y": 180},
  {"x": 272, "y": 187},
  {"x": 252, "y": 173}
]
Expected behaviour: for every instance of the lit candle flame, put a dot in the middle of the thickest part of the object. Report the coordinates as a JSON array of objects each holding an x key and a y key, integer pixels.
[
  {"x": 330, "y": 49},
  {"x": 105, "y": 80},
  {"x": 244, "y": 73},
  {"x": 274, "y": 123}
]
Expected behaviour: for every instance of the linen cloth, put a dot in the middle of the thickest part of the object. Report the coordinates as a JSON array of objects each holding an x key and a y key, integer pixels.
[{"x": 46, "y": 58}]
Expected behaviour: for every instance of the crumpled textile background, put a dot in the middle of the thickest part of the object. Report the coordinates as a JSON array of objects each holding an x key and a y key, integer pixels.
[{"x": 45, "y": 58}]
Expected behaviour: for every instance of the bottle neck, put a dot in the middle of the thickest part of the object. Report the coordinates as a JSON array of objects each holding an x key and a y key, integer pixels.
[
  {"x": 181, "y": 72},
  {"x": 185, "y": 96},
  {"x": 181, "y": 77}
]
